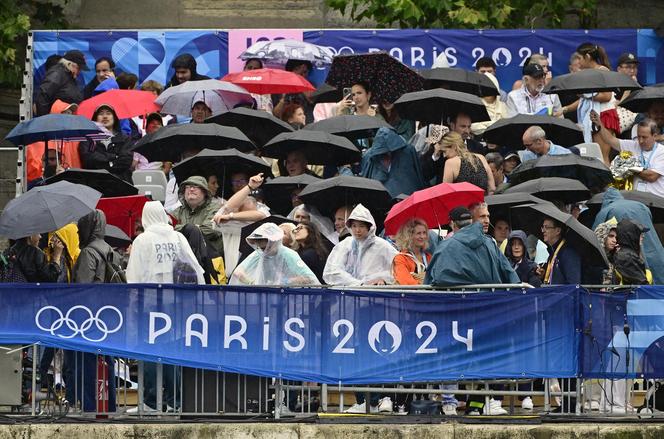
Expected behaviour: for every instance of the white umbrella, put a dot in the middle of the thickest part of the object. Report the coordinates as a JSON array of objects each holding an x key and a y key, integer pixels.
[
  {"x": 280, "y": 51},
  {"x": 220, "y": 96}
]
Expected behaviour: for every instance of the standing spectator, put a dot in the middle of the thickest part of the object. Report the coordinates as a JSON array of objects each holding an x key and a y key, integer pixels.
[
  {"x": 629, "y": 266},
  {"x": 564, "y": 266},
  {"x": 536, "y": 59},
  {"x": 534, "y": 140},
  {"x": 112, "y": 154},
  {"x": 91, "y": 268},
  {"x": 185, "y": 70},
  {"x": 60, "y": 82},
  {"x": 486, "y": 65},
  {"x": 575, "y": 62},
  {"x": 628, "y": 64},
  {"x": 529, "y": 99},
  {"x": 656, "y": 113},
  {"x": 494, "y": 106},
  {"x": 363, "y": 258},
  {"x": 410, "y": 264},
  {"x": 517, "y": 253},
  {"x": 359, "y": 101},
  {"x": 32, "y": 261},
  {"x": 310, "y": 247},
  {"x": 462, "y": 165},
  {"x": 103, "y": 70}
]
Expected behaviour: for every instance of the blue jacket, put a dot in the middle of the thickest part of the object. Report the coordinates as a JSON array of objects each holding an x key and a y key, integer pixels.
[
  {"x": 614, "y": 205},
  {"x": 567, "y": 268},
  {"x": 469, "y": 257},
  {"x": 404, "y": 175}
]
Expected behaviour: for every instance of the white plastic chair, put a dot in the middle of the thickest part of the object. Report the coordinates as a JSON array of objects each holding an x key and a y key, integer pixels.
[
  {"x": 154, "y": 191},
  {"x": 149, "y": 177},
  {"x": 590, "y": 150}
]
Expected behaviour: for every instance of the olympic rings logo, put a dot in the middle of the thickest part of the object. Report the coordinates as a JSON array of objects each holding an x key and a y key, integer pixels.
[{"x": 82, "y": 330}]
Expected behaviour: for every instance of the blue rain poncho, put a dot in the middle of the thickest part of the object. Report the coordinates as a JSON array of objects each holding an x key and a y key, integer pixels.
[{"x": 273, "y": 265}]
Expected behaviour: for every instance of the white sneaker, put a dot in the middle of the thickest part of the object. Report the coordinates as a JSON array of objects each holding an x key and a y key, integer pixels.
[
  {"x": 527, "y": 403},
  {"x": 385, "y": 405},
  {"x": 495, "y": 408},
  {"x": 147, "y": 410},
  {"x": 449, "y": 409},
  {"x": 360, "y": 409},
  {"x": 592, "y": 405}
]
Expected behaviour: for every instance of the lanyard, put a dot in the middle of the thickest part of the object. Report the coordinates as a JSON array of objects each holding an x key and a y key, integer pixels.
[
  {"x": 549, "y": 267},
  {"x": 646, "y": 164}
]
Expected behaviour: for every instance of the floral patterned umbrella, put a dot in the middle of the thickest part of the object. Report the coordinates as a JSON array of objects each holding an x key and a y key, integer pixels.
[
  {"x": 280, "y": 51},
  {"x": 386, "y": 76}
]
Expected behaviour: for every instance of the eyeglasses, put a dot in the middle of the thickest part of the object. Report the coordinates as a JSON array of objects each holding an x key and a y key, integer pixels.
[{"x": 545, "y": 227}]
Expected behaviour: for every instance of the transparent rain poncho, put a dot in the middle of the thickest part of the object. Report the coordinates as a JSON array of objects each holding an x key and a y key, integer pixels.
[
  {"x": 354, "y": 262},
  {"x": 324, "y": 224},
  {"x": 272, "y": 265},
  {"x": 160, "y": 254}
]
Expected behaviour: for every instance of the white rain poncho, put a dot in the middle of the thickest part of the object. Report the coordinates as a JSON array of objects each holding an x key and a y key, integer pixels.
[
  {"x": 324, "y": 225},
  {"x": 274, "y": 265},
  {"x": 160, "y": 254},
  {"x": 354, "y": 262}
]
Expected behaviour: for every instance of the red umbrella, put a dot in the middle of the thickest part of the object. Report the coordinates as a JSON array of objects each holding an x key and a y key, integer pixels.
[
  {"x": 268, "y": 81},
  {"x": 126, "y": 103},
  {"x": 433, "y": 205},
  {"x": 123, "y": 212}
]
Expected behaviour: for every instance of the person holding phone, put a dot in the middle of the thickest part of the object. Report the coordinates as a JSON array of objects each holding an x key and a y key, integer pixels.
[{"x": 357, "y": 100}]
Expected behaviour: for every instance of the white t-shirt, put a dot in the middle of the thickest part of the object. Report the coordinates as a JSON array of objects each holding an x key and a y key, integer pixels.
[{"x": 653, "y": 160}]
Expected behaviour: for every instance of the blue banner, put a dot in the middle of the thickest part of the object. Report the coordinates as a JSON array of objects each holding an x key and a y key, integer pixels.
[{"x": 316, "y": 335}]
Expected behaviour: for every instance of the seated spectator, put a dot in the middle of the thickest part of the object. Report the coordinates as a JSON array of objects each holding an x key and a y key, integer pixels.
[
  {"x": 126, "y": 81},
  {"x": 359, "y": 101},
  {"x": 289, "y": 239},
  {"x": 302, "y": 68},
  {"x": 410, "y": 264},
  {"x": 517, "y": 254},
  {"x": 340, "y": 218},
  {"x": 529, "y": 99},
  {"x": 468, "y": 256},
  {"x": 197, "y": 208},
  {"x": 293, "y": 114},
  {"x": 534, "y": 140},
  {"x": 363, "y": 258},
  {"x": 200, "y": 111},
  {"x": 271, "y": 263},
  {"x": 574, "y": 62},
  {"x": 103, "y": 70},
  {"x": 309, "y": 214},
  {"x": 112, "y": 154},
  {"x": 495, "y": 162},
  {"x": 393, "y": 162},
  {"x": 494, "y": 106},
  {"x": 563, "y": 267},
  {"x": 263, "y": 102},
  {"x": 404, "y": 127},
  {"x": 185, "y": 70},
  {"x": 501, "y": 231},
  {"x": 310, "y": 247},
  {"x": 462, "y": 165},
  {"x": 60, "y": 82},
  {"x": 656, "y": 113},
  {"x": 485, "y": 65},
  {"x": 511, "y": 161},
  {"x": 461, "y": 124},
  {"x": 480, "y": 214},
  {"x": 153, "y": 122},
  {"x": 629, "y": 266},
  {"x": 432, "y": 162},
  {"x": 295, "y": 164}
]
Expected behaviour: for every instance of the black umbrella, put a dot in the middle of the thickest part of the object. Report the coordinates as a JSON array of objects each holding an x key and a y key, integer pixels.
[
  {"x": 351, "y": 127},
  {"x": 116, "y": 237},
  {"x": 325, "y": 93},
  {"x": 258, "y": 125},
  {"x": 529, "y": 218},
  {"x": 553, "y": 189},
  {"x": 387, "y": 76},
  {"x": 588, "y": 170},
  {"x": 99, "y": 179},
  {"x": 332, "y": 193},
  {"x": 641, "y": 100},
  {"x": 434, "y": 106},
  {"x": 277, "y": 191},
  {"x": 509, "y": 132},
  {"x": 222, "y": 164},
  {"x": 500, "y": 205},
  {"x": 46, "y": 209},
  {"x": 319, "y": 148},
  {"x": 246, "y": 249},
  {"x": 168, "y": 143},
  {"x": 654, "y": 203},
  {"x": 590, "y": 81},
  {"x": 465, "y": 81}
]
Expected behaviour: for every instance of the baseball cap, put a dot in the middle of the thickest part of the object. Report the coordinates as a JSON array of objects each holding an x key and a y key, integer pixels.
[
  {"x": 512, "y": 155},
  {"x": 628, "y": 58},
  {"x": 533, "y": 70},
  {"x": 460, "y": 213},
  {"x": 76, "y": 56}
]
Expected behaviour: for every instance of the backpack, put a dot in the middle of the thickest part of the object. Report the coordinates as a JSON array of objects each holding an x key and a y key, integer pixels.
[
  {"x": 10, "y": 269},
  {"x": 114, "y": 273}
]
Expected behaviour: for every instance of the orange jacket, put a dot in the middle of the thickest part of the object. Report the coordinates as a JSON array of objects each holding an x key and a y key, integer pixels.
[{"x": 403, "y": 267}]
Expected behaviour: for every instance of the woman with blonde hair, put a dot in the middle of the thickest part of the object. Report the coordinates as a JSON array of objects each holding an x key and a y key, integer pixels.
[
  {"x": 462, "y": 165},
  {"x": 412, "y": 239}
]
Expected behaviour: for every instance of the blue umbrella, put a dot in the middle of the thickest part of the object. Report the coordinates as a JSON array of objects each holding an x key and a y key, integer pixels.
[{"x": 51, "y": 127}]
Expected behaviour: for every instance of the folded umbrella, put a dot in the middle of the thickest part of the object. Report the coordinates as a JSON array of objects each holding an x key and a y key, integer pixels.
[
  {"x": 388, "y": 77},
  {"x": 258, "y": 125},
  {"x": 500, "y": 205},
  {"x": 99, "y": 179},
  {"x": 278, "y": 52},
  {"x": 168, "y": 143},
  {"x": 332, "y": 193},
  {"x": 222, "y": 164},
  {"x": 269, "y": 81},
  {"x": 125, "y": 103},
  {"x": 456, "y": 79},
  {"x": 123, "y": 212},
  {"x": 220, "y": 96},
  {"x": 590, "y": 171},
  {"x": 116, "y": 237},
  {"x": 46, "y": 209},
  {"x": 590, "y": 81},
  {"x": 641, "y": 100},
  {"x": 553, "y": 189},
  {"x": 319, "y": 148},
  {"x": 433, "y": 205},
  {"x": 277, "y": 191},
  {"x": 529, "y": 218},
  {"x": 351, "y": 127},
  {"x": 654, "y": 203},
  {"x": 51, "y": 127},
  {"x": 509, "y": 132},
  {"x": 438, "y": 105}
]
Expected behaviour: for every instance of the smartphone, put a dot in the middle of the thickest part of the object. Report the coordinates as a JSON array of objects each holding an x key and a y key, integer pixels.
[{"x": 347, "y": 92}]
